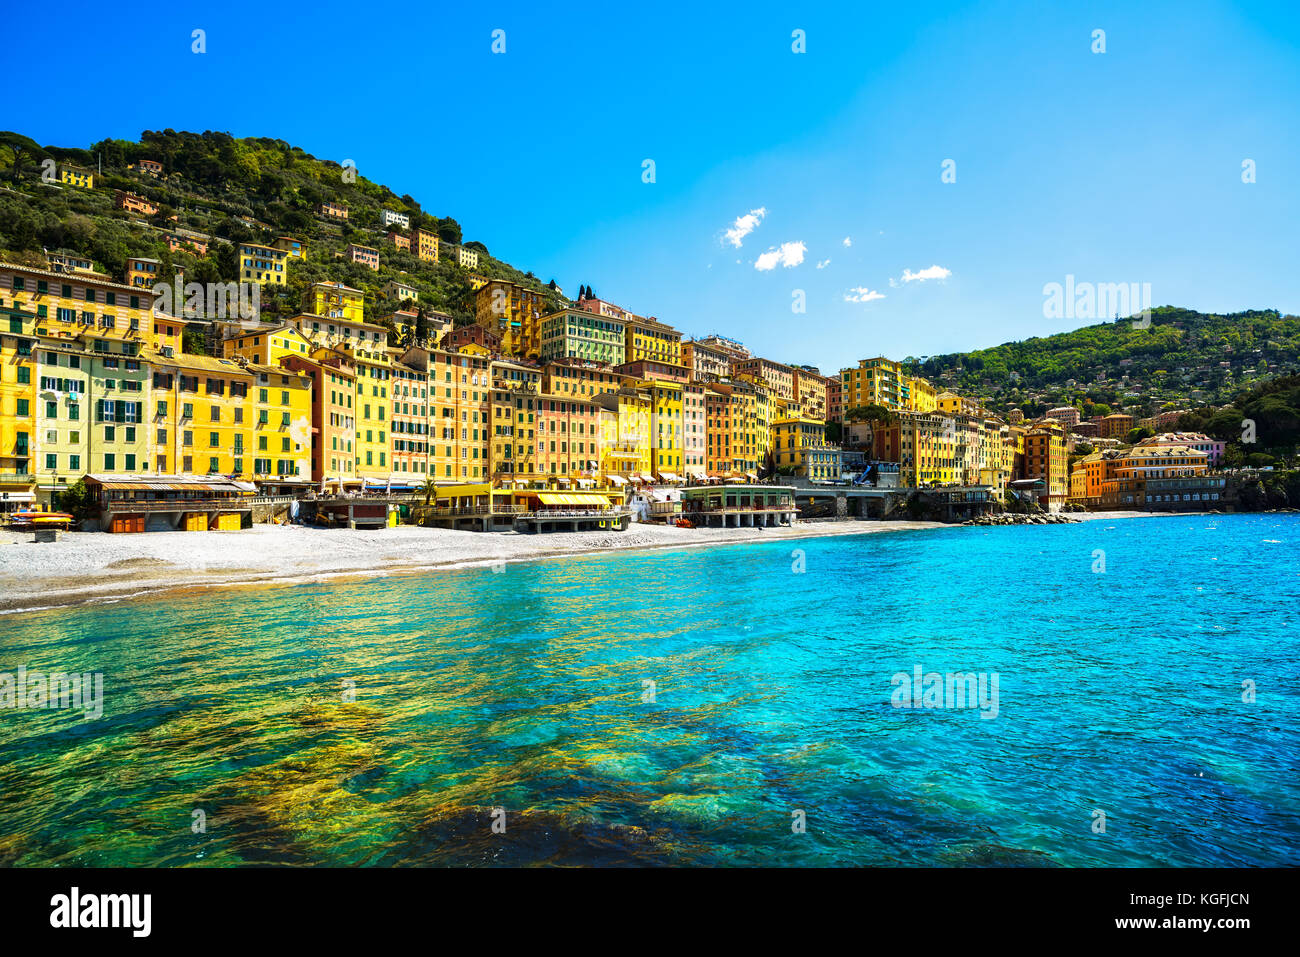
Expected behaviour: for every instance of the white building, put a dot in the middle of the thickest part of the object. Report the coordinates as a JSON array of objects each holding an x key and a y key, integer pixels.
[{"x": 390, "y": 217}]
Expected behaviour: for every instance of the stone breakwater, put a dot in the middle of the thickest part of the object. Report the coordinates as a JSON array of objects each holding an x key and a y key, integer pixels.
[{"x": 1054, "y": 518}]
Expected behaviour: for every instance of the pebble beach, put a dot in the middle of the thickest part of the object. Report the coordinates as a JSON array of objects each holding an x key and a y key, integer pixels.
[{"x": 95, "y": 566}]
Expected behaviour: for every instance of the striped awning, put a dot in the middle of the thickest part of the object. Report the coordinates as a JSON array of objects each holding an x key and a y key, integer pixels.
[{"x": 573, "y": 498}]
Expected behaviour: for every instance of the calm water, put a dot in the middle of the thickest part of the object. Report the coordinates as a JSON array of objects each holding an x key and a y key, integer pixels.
[{"x": 1119, "y": 692}]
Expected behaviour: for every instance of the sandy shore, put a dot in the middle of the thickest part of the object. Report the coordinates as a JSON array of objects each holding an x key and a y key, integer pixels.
[{"x": 93, "y": 566}]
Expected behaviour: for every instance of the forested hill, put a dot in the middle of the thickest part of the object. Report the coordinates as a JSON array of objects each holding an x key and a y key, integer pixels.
[
  {"x": 1182, "y": 358},
  {"x": 236, "y": 190}
]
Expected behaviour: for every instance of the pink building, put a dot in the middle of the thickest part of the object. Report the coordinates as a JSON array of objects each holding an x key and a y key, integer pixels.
[
  {"x": 1192, "y": 440},
  {"x": 364, "y": 255},
  {"x": 1065, "y": 414}
]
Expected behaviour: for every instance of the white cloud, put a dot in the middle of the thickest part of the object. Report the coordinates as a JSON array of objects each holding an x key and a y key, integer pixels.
[
  {"x": 789, "y": 254},
  {"x": 848, "y": 240},
  {"x": 744, "y": 225},
  {"x": 862, "y": 294},
  {"x": 934, "y": 272},
  {"x": 823, "y": 264}
]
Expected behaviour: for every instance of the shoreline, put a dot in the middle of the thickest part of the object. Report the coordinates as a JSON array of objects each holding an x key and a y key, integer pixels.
[{"x": 93, "y": 567}]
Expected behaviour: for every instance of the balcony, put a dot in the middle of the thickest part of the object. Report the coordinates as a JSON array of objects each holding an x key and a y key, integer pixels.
[
  {"x": 463, "y": 511},
  {"x": 177, "y": 505}
]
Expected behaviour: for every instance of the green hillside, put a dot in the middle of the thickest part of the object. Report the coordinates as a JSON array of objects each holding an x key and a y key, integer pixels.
[
  {"x": 1183, "y": 358},
  {"x": 237, "y": 190}
]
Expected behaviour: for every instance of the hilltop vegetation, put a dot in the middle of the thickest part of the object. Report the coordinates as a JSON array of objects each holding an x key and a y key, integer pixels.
[
  {"x": 236, "y": 190},
  {"x": 1182, "y": 358},
  {"x": 1261, "y": 426}
]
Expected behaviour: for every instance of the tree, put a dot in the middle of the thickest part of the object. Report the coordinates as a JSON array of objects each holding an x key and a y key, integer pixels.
[{"x": 78, "y": 501}]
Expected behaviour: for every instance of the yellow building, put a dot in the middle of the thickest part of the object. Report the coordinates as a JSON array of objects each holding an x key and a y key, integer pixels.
[
  {"x": 577, "y": 378},
  {"x": 665, "y": 429},
  {"x": 263, "y": 264},
  {"x": 927, "y": 450},
  {"x": 951, "y": 403},
  {"x": 280, "y": 408},
  {"x": 650, "y": 339},
  {"x": 333, "y": 300},
  {"x": 142, "y": 272},
  {"x": 877, "y": 381},
  {"x": 88, "y": 384},
  {"x": 922, "y": 396},
  {"x": 267, "y": 346},
  {"x": 811, "y": 390},
  {"x": 625, "y": 432},
  {"x": 799, "y": 447},
  {"x": 514, "y": 313},
  {"x": 424, "y": 244},
  {"x": 17, "y": 402},
  {"x": 459, "y": 412},
  {"x": 200, "y": 414},
  {"x": 294, "y": 248},
  {"x": 76, "y": 176}
]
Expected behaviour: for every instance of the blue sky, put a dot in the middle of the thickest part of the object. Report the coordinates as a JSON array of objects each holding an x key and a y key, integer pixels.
[{"x": 1122, "y": 166}]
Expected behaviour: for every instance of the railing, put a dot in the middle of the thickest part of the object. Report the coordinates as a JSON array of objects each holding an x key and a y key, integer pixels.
[
  {"x": 457, "y": 511},
  {"x": 17, "y": 478},
  {"x": 178, "y": 505},
  {"x": 578, "y": 513},
  {"x": 785, "y": 506}
]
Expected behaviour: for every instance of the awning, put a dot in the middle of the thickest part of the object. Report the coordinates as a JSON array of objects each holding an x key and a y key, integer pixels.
[
  {"x": 699, "y": 474},
  {"x": 670, "y": 476},
  {"x": 17, "y": 496},
  {"x": 617, "y": 479},
  {"x": 573, "y": 498},
  {"x": 751, "y": 475}
]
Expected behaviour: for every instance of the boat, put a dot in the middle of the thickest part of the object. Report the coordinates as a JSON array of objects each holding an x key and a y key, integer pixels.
[{"x": 35, "y": 518}]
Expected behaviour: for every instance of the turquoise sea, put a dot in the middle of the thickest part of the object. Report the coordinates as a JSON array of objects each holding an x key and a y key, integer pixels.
[{"x": 1118, "y": 691}]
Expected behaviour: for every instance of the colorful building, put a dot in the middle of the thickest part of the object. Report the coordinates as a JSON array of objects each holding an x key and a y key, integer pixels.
[
  {"x": 799, "y": 447},
  {"x": 877, "y": 381},
  {"x": 651, "y": 340},
  {"x": 424, "y": 244},
  {"x": 17, "y": 404},
  {"x": 513, "y": 313},
  {"x": 365, "y": 255},
  {"x": 1046, "y": 458},
  {"x": 582, "y": 335},
  {"x": 76, "y": 176}
]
